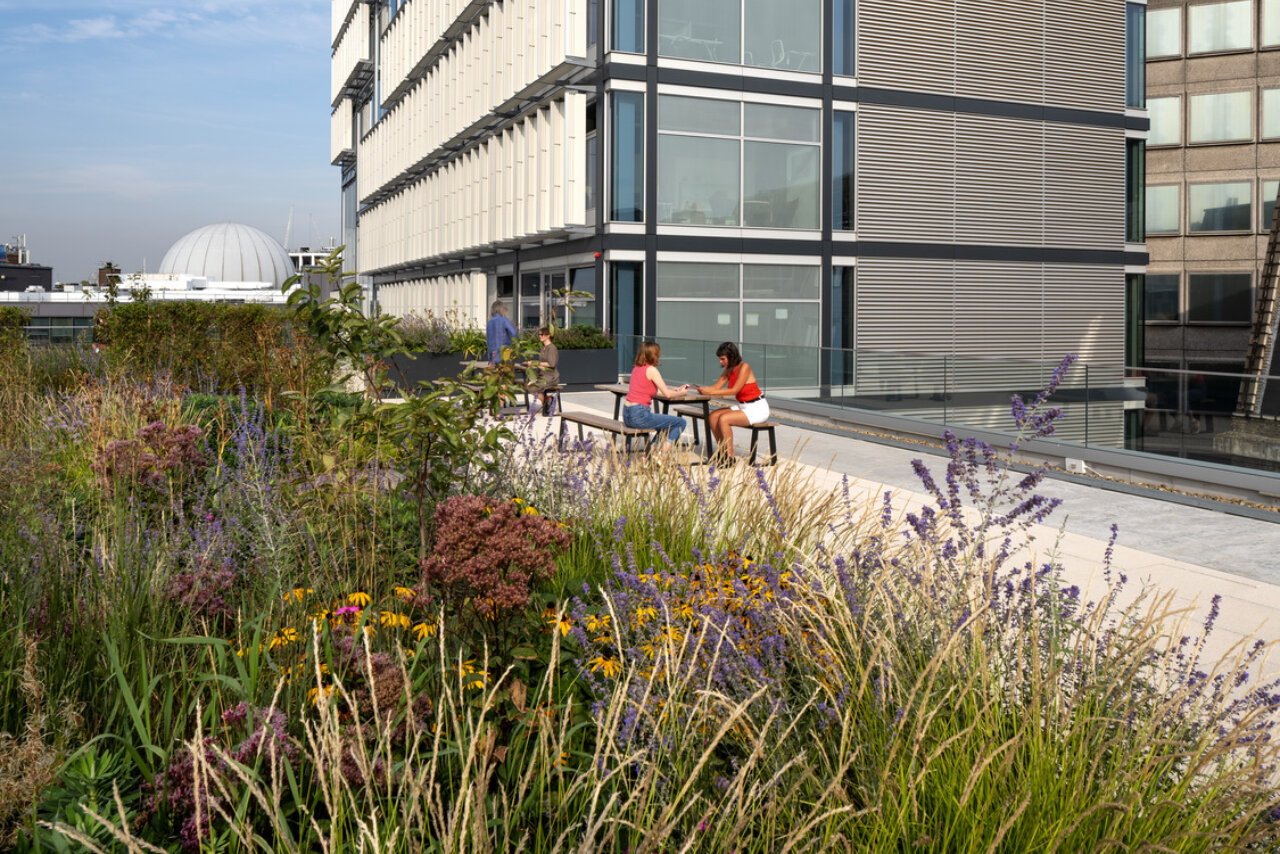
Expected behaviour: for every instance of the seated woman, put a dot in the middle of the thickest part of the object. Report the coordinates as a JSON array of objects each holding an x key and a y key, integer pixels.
[
  {"x": 545, "y": 372},
  {"x": 737, "y": 381},
  {"x": 646, "y": 381}
]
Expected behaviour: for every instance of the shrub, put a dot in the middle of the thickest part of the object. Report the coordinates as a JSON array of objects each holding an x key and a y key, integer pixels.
[
  {"x": 583, "y": 337},
  {"x": 213, "y": 347},
  {"x": 452, "y": 333}
]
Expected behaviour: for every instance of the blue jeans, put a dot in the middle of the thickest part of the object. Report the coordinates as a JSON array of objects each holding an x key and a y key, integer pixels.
[{"x": 642, "y": 416}]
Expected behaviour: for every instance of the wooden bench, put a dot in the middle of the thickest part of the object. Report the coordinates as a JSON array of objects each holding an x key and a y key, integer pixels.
[
  {"x": 768, "y": 427},
  {"x": 606, "y": 424},
  {"x": 696, "y": 413}
]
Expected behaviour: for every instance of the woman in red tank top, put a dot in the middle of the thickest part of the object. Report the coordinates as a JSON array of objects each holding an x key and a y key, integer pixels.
[{"x": 739, "y": 382}]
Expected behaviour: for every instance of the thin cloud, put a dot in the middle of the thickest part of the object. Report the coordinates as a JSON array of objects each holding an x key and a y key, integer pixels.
[{"x": 116, "y": 180}]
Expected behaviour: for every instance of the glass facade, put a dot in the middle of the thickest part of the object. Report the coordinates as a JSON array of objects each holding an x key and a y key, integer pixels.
[
  {"x": 1135, "y": 193},
  {"x": 1219, "y": 297},
  {"x": 1218, "y": 27},
  {"x": 626, "y": 308},
  {"x": 628, "y": 26},
  {"x": 843, "y": 60},
  {"x": 762, "y": 33},
  {"x": 1268, "y": 204},
  {"x": 1163, "y": 209},
  {"x": 729, "y": 163},
  {"x": 1220, "y": 117},
  {"x": 1164, "y": 32},
  {"x": 1135, "y": 55},
  {"x": 773, "y": 310},
  {"x": 842, "y": 151},
  {"x": 1166, "y": 121},
  {"x": 627, "y": 163},
  {"x": 1220, "y": 207}
]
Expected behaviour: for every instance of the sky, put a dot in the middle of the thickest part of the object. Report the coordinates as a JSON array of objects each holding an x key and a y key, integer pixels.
[{"x": 125, "y": 124}]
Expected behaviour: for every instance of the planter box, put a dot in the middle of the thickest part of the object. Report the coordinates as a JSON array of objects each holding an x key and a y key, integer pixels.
[
  {"x": 580, "y": 368},
  {"x": 588, "y": 367},
  {"x": 423, "y": 367}
]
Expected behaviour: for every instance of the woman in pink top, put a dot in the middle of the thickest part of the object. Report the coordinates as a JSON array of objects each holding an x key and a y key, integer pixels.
[
  {"x": 645, "y": 382},
  {"x": 737, "y": 381}
]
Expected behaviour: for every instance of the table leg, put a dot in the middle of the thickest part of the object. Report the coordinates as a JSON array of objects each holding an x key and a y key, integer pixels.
[
  {"x": 617, "y": 405},
  {"x": 710, "y": 444}
]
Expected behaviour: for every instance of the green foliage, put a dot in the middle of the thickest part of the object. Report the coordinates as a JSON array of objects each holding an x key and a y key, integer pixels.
[
  {"x": 212, "y": 346},
  {"x": 88, "y": 783},
  {"x": 581, "y": 336}
]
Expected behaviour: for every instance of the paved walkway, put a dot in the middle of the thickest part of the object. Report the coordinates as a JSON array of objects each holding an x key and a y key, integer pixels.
[{"x": 1194, "y": 553}]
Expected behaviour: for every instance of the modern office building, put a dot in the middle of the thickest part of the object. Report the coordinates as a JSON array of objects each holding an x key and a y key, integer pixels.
[
  {"x": 1213, "y": 169},
  {"x": 945, "y": 187}
]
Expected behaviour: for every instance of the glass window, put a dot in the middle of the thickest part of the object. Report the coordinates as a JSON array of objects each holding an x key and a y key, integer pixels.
[
  {"x": 842, "y": 171},
  {"x": 781, "y": 282},
  {"x": 1220, "y": 117},
  {"x": 1135, "y": 56},
  {"x": 698, "y": 180},
  {"x": 842, "y": 325},
  {"x": 627, "y": 165},
  {"x": 722, "y": 180},
  {"x": 1160, "y": 299},
  {"x": 1164, "y": 32},
  {"x": 783, "y": 35},
  {"x": 628, "y": 25},
  {"x": 678, "y": 279},
  {"x": 1219, "y": 297},
  {"x": 1269, "y": 190},
  {"x": 697, "y": 321},
  {"x": 1163, "y": 209},
  {"x": 707, "y": 30},
  {"x": 1270, "y": 22},
  {"x": 699, "y": 115},
  {"x": 626, "y": 309},
  {"x": 583, "y": 310},
  {"x": 1220, "y": 207},
  {"x": 1166, "y": 121},
  {"x": 780, "y": 185},
  {"x": 1270, "y": 109},
  {"x": 1135, "y": 194},
  {"x": 844, "y": 38},
  {"x": 770, "y": 121},
  {"x": 1215, "y": 27}
]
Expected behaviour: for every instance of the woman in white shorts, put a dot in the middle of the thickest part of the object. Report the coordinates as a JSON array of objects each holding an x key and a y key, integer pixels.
[{"x": 739, "y": 382}]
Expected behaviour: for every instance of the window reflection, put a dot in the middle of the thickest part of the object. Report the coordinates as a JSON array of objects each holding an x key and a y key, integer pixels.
[
  {"x": 1220, "y": 207},
  {"x": 1216, "y": 27}
]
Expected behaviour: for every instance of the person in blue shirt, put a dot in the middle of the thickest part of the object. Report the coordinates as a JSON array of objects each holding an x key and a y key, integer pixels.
[{"x": 499, "y": 332}]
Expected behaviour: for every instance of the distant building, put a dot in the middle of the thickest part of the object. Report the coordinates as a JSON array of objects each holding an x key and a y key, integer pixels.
[
  {"x": 1213, "y": 168},
  {"x": 226, "y": 262},
  {"x": 17, "y": 273}
]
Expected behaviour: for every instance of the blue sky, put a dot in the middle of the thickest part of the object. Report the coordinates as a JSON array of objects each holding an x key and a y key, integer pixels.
[{"x": 128, "y": 123}]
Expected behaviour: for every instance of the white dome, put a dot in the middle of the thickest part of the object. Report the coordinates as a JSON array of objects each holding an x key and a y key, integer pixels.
[{"x": 229, "y": 252}]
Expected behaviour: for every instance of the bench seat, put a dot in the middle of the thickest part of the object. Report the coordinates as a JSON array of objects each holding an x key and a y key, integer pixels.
[{"x": 606, "y": 424}]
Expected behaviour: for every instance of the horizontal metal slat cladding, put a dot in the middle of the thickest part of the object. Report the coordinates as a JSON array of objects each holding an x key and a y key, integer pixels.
[
  {"x": 907, "y": 45},
  {"x": 905, "y": 174},
  {"x": 998, "y": 51},
  {"x": 1084, "y": 190},
  {"x": 1000, "y": 169},
  {"x": 1085, "y": 54}
]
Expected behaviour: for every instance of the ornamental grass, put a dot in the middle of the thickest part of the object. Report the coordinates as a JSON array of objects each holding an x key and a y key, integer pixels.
[{"x": 225, "y": 635}]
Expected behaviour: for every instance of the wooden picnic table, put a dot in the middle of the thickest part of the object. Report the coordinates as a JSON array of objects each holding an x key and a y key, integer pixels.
[{"x": 620, "y": 393}]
